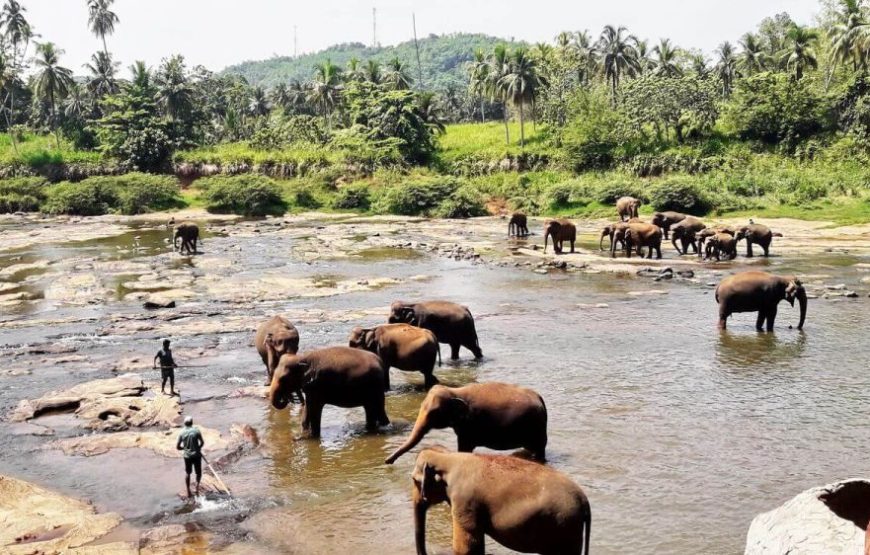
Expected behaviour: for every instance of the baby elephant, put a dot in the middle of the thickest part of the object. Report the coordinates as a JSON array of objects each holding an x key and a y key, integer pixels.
[
  {"x": 721, "y": 244},
  {"x": 560, "y": 230},
  {"x": 518, "y": 225},
  {"x": 189, "y": 233},
  {"x": 524, "y": 506},
  {"x": 494, "y": 415},
  {"x": 401, "y": 346}
]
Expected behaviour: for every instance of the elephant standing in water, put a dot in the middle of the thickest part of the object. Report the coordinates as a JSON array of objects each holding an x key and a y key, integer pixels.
[
  {"x": 616, "y": 232},
  {"x": 721, "y": 244},
  {"x": 627, "y": 208},
  {"x": 189, "y": 234},
  {"x": 275, "y": 338},
  {"x": 758, "y": 234},
  {"x": 339, "y": 376},
  {"x": 450, "y": 322},
  {"x": 401, "y": 346},
  {"x": 493, "y": 415},
  {"x": 702, "y": 236},
  {"x": 560, "y": 230},
  {"x": 759, "y": 292},
  {"x": 666, "y": 219},
  {"x": 641, "y": 235},
  {"x": 518, "y": 225},
  {"x": 522, "y": 505},
  {"x": 685, "y": 231}
]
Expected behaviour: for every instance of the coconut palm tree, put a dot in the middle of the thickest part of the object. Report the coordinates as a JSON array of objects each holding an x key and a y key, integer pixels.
[
  {"x": 726, "y": 68},
  {"x": 325, "y": 90},
  {"x": 372, "y": 72},
  {"x": 397, "y": 77},
  {"x": 355, "y": 70},
  {"x": 700, "y": 66},
  {"x": 586, "y": 56},
  {"x": 431, "y": 112},
  {"x": 850, "y": 35},
  {"x": 645, "y": 63},
  {"x": 259, "y": 105},
  {"x": 522, "y": 84},
  {"x": 102, "y": 19},
  {"x": 497, "y": 67},
  {"x": 140, "y": 76},
  {"x": 563, "y": 39},
  {"x": 175, "y": 92},
  {"x": 666, "y": 59},
  {"x": 752, "y": 58},
  {"x": 51, "y": 82},
  {"x": 280, "y": 96},
  {"x": 77, "y": 105},
  {"x": 800, "y": 53},
  {"x": 619, "y": 57},
  {"x": 18, "y": 32},
  {"x": 102, "y": 80},
  {"x": 477, "y": 79}
]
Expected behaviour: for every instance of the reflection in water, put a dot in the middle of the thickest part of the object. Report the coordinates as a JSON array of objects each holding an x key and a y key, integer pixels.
[{"x": 753, "y": 350}]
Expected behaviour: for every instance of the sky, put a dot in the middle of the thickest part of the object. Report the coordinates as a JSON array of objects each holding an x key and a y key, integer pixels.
[{"x": 218, "y": 33}]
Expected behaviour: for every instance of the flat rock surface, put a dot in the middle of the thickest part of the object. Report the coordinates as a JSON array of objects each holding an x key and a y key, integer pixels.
[
  {"x": 127, "y": 385},
  {"x": 161, "y": 442}
]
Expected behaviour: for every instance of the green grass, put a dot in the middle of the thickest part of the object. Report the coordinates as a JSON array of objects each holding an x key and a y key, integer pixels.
[
  {"x": 40, "y": 150},
  {"x": 487, "y": 141},
  {"x": 243, "y": 153}
]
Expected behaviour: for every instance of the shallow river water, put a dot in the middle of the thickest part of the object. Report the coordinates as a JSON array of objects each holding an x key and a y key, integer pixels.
[{"x": 679, "y": 434}]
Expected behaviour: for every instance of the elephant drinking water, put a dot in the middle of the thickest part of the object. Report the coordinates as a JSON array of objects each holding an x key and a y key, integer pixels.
[{"x": 759, "y": 292}]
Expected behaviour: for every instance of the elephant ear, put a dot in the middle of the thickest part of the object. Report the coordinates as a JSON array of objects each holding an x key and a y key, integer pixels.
[
  {"x": 431, "y": 477},
  {"x": 369, "y": 340},
  {"x": 408, "y": 314},
  {"x": 308, "y": 374},
  {"x": 458, "y": 410},
  {"x": 270, "y": 340}
]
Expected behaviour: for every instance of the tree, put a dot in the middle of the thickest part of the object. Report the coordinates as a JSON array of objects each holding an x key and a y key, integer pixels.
[
  {"x": 666, "y": 59},
  {"x": 477, "y": 79},
  {"x": 849, "y": 35},
  {"x": 280, "y": 96},
  {"x": 372, "y": 72},
  {"x": 700, "y": 66},
  {"x": 102, "y": 80},
  {"x": 259, "y": 105},
  {"x": 102, "y": 19},
  {"x": 677, "y": 104},
  {"x": 431, "y": 112},
  {"x": 325, "y": 90},
  {"x": 522, "y": 84},
  {"x": 175, "y": 92},
  {"x": 726, "y": 68},
  {"x": 800, "y": 54},
  {"x": 18, "y": 32},
  {"x": 773, "y": 32},
  {"x": 397, "y": 77},
  {"x": 498, "y": 67},
  {"x": 585, "y": 55},
  {"x": 52, "y": 82},
  {"x": 645, "y": 63},
  {"x": 752, "y": 58},
  {"x": 619, "y": 57}
]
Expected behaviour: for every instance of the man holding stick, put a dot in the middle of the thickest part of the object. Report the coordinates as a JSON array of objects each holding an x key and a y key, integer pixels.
[
  {"x": 167, "y": 367},
  {"x": 190, "y": 442}
]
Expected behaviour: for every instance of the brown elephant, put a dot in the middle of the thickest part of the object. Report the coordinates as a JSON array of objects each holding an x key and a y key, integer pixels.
[
  {"x": 666, "y": 219},
  {"x": 867, "y": 541},
  {"x": 702, "y": 236},
  {"x": 627, "y": 207},
  {"x": 721, "y": 244},
  {"x": 189, "y": 234},
  {"x": 758, "y": 234},
  {"x": 759, "y": 291},
  {"x": 275, "y": 338},
  {"x": 522, "y": 505},
  {"x": 401, "y": 346},
  {"x": 339, "y": 376},
  {"x": 518, "y": 225},
  {"x": 493, "y": 415},
  {"x": 685, "y": 231},
  {"x": 560, "y": 230},
  {"x": 450, "y": 322},
  {"x": 641, "y": 235},
  {"x": 616, "y": 232}
]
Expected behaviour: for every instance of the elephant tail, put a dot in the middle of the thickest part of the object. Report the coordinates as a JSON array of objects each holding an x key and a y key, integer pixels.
[
  {"x": 776, "y": 234},
  {"x": 587, "y": 525},
  {"x": 438, "y": 346}
]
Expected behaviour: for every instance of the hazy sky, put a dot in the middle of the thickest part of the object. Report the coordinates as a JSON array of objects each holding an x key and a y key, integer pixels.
[{"x": 217, "y": 33}]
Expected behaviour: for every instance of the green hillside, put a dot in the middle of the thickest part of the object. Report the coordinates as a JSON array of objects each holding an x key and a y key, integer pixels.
[{"x": 442, "y": 58}]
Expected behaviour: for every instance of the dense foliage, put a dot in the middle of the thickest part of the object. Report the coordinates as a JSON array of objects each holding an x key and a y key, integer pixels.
[{"x": 133, "y": 193}]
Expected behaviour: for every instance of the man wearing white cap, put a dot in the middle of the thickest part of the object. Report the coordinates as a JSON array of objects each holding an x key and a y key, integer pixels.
[{"x": 190, "y": 442}]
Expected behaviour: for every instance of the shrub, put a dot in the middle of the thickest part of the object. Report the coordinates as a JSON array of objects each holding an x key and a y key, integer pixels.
[
  {"x": 304, "y": 198},
  {"x": 246, "y": 195},
  {"x": 416, "y": 197},
  {"x": 24, "y": 186},
  {"x": 90, "y": 197},
  {"x": 14, "y": 202},
  {"x": 610, "y": 192},
  {"x": 353, "y": 197},
  {"x": 462, "y": 204},
  {"x": 681, "y": 196}
]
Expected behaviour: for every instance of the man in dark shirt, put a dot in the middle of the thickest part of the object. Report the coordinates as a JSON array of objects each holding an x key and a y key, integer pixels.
[
  {"x": 190, "y": 443},
  {"x": 167, "y": 367}
]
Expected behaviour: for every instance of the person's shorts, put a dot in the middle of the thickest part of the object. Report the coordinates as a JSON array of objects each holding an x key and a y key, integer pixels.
[
  {"x": 193, "y": 463},
  {"x": 167, "y": 373}
]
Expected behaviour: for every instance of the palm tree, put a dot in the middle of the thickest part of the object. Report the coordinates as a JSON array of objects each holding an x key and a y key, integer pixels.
[
  {"x": 259, "y": 104},
  {"x": 850, "y": 35},
  {"x": 699, "y": 66},
  {"x": 645, "y": 64},
  {"x": 140, "y": 76},
  {"x": 752, "y": 58},
  {"x": 102, "y": 80},
  {"x": 497, "y": 68},
  {"x": 522, "y": 84},
  {"x": 586, "y": 56},
  {"x": 563, "y": 39},
  {"x": 619, "y": 57},
  {"x": 477, "y": 79},
  {"x": 102, "y": 19},
  {"x": 355, "y": 70},
  {"x": 372, "y": 72},
  {"x": 397, "y": 77},
  {"x": 175, "y": 93},
  {"x": 666, "y": 59},
  {"x": 800, "y": 55},
  {"x": 51, "y": 82},
  {"x": 77, "y": 105},
  {"x": 296, "y": 96},
  {"x": 431, "y": 112},
  {"x": 325, "y": 89},
  {"x": 18, "y": 33},
  {"x": 280, "y": 96},
  {"x": 726, "y": 68}
]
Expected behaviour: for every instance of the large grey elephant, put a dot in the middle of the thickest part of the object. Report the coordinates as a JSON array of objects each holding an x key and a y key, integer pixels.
[
  {"x": 560, "y": 230},
  {"x": 627, "y": 208},
  {"x": 275, "y": 338},
  {"x": 450, "y": 322},
  {"x": 759, "y": 292},
  {"x": 401, "y": 346}
]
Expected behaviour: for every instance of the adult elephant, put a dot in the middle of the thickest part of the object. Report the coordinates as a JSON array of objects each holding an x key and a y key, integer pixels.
[
  {"x": 685, "y": 231},
  {"x": 494, "y": 415},
  {"x": 401, "y": 346},
  {"x": 339, "y": 376},
  {"x": 518, "y": 225},
  {"x": 641, "y": 235},
  {"x": 275, "y": 338},
  {"x": 522, "y": 505},
  {"x": 758, "y": 234},
  {"x": 188, "y": 232},
  {"x": 759, "y": 292},
  {"x": 627, "y": 208},
  {"x": 666, "y": 219},
  {"x": 450, "y": 322},
  {"x": 721, "y": 244},
  {"x": 616, "y": 232},
  {"x": 560, "y": 230}
]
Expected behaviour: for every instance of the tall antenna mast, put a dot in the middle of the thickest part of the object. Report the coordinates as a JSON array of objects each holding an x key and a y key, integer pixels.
[
  {"x": 417, "y": 48},
  {"x": 374, "y": 27}
]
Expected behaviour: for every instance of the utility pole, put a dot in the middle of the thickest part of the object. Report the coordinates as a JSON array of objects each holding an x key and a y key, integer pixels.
[
  {"x": 417, "y": 48},
  {"x": 374, "y": 27}
]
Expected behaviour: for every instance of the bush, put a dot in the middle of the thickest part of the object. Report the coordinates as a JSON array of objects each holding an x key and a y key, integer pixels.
[
  {"x": 87, "y": 198},
  {"x": 133, "y": 193},
  {"x": 417, "y": 197},
  {"x": 462, "y": 204},
  {"x": 24, "y": 186},
  {"x": 609, "y": 193},
  {"x": 681, "y": 196},
  {"x": 246, "y": 195},
  {"x": 14, "y": 202},
  {"x": 353, "y": 197}
]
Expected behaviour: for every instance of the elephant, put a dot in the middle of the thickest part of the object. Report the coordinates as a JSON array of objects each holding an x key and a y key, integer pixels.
[
  {"x": 518, "y": 225},
  {"x": 276, "y": 337},
  {"x": 666, "y": 219},
  {"x": 719, "y": 244},
  {"x": 756, "y": 233},
  {"x": 641, "y": 235},
  {"x": 524, "y": 506},
  {"x": 450, "y": 322},
  {"x": 561, "y": 230},
  {"x": 627, "y": 207},
  {"x": 401, "y": 346},
  {"x": 493, "y": 415},
  {"x": 759, "y": 291},
  {"x": 189, "y": 233},
  {"x": 339, "y": 376},
  {"x": 685, "y": 231},
  {"x": 616, "y": 232},
  {"x": 702, "y": 236}
]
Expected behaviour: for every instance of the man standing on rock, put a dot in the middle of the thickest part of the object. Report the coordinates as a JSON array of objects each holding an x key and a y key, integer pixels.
[
  {"x": 190, "y": 442},
  {"x": 167, "y": 367}
]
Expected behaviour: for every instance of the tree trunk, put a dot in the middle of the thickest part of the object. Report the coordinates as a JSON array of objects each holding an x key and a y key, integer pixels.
[
  {"x": 54, "y": 120},
  {"x": 105, "y": 48},
  {"x": 507, "y": 133},
  {"x": 522, "y": 128},
  {"x": 482, "y": 112}
]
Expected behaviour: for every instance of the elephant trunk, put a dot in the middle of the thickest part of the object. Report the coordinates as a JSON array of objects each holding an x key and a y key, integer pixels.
[
  {"x": 421, "y": 428},
  {"x": 601, "y": 241},
  {"x": 674, "y": 241},
  {"x": 420, "y": 508},
  {"x": 276, "y": 394},
  {"x": 546, "y": 235},
  {"x": 802, "y": 301}
]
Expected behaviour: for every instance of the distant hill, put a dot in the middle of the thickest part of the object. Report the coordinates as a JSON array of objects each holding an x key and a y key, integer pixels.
[{"x": 442, "y": 58}]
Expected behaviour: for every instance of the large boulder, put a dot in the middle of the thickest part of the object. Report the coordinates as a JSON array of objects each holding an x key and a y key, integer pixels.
[
  {"x": 128, "y": 385},
  {"x": 830, "y": 519}
]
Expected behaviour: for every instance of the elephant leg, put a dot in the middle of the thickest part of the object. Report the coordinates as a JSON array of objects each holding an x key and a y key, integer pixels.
[
  {"x": 315, "y": 415},
  {"x": 748, "y": 248},
  {"x": 464, "y": 444},
  {"x": 454, "y": 351},
  {"x": 465, "y": 541},
  {"x": 474, "y": 347},
  {"x": 723, "y": 317},
  {"x": 371, "y": 417},
  {"x": 429, "y": 379},
  {"x": 386, "y": 376},
  {"x": 765, "y": 248},
  {"x": 759, "y": 322},
  {"x": 659, "y": 252},
  {"x": 306, "y": 420},
  {"x": 694, "y": 246},
  {"x": 649, "y": 252},
  {"x": 771, "y": 318},
  {"x": 572, "y": 246}
]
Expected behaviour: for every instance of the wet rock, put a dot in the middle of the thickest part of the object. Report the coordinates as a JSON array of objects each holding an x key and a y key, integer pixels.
[
  {"x": 161, "y": 442},
  {"x": 686, "y": 274},
  {"x": 258, "y": 391},
  {"x": 120, "y": 413},
  {"x": 127, "y": 385},
  {"x": 830, "y": 519},
  {"x": 837, "y": 287},
  {"x": 178, "y": 538},
  {"x": 649, "y": 293},
  {"x": 151, "y": 305}
]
